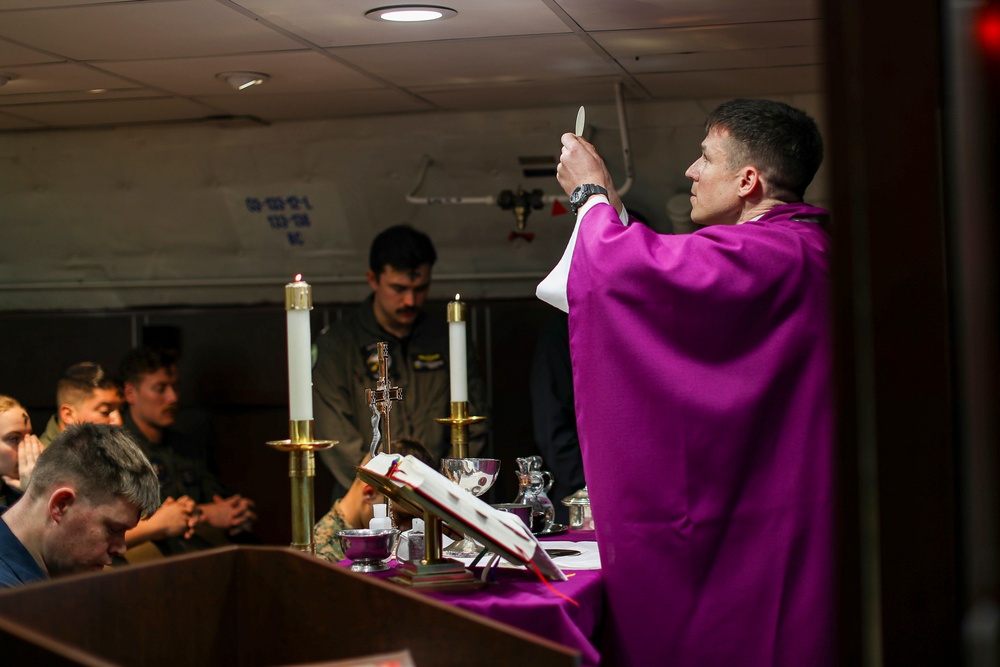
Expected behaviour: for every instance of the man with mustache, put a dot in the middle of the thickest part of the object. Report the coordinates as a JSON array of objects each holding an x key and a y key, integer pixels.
[
  {"x": 150, "y": 378},
  {"x": 399, "y": 274}
]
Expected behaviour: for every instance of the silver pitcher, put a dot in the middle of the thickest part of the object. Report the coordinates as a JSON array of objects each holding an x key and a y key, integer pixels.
[{"x": 535, "y": 484}]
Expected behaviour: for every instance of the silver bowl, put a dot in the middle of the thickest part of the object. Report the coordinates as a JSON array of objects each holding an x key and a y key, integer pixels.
[{"x": 367, "y": 549}]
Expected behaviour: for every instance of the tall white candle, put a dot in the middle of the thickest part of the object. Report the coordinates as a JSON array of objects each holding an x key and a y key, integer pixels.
[
  {"x": 298, "y": 303},
  {"x": 457, "y": 352}
]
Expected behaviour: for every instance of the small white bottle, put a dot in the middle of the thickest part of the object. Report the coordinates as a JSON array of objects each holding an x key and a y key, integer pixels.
[{"x": 381, "y": 519}]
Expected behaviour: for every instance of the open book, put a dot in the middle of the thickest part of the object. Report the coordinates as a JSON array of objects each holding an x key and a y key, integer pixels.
[{"x": 420, "y": 485}]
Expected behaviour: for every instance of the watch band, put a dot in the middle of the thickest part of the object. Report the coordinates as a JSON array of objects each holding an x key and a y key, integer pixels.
[{"x": 582, "y": 193}]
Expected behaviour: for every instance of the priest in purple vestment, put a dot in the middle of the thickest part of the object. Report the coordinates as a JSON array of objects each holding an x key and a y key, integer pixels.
[{"x": 702, "y": 375}]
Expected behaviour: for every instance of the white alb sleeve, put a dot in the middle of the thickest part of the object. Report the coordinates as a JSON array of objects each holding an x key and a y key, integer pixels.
[{"x": 552, "y": 289}]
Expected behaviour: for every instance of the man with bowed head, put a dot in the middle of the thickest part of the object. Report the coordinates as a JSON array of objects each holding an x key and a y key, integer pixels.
[
  {"x": 702, "y": 376},
  {"x": 88, "y": 487},
  {"x": 87, "y": 394}
]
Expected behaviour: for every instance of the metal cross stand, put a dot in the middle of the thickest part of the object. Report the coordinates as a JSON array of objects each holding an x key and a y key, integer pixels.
[
  {"x": 433, "y": 571},
  {"x": 380, "y": 400}
]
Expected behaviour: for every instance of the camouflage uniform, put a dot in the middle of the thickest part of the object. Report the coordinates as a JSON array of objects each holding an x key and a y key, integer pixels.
[{"x": 324, "y": 534}]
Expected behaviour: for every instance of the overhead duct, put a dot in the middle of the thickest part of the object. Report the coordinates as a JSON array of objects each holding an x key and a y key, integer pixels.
[{"x": 520, "y": 201}]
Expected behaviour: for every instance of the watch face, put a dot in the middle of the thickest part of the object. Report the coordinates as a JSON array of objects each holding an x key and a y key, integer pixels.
[{"x": 582, "y": 194}]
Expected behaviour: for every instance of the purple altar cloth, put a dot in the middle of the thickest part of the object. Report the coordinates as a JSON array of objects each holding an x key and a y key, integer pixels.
[{"x": 519, "y": 599}]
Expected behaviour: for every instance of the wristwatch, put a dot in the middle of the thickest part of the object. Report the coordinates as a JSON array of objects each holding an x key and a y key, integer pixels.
[{"x": 582, "y": 194}]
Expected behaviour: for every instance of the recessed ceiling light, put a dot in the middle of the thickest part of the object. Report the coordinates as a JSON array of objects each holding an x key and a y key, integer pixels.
[
  {"x": 410, "y": 13},
  {"x": 242, "y": 80}
]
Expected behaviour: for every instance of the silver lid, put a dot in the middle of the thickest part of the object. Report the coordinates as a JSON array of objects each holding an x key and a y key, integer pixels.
[{"x": 581, "y": 497}]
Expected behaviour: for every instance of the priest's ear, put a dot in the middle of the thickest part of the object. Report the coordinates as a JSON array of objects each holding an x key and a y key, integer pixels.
[{"x": 749, "y": 181}]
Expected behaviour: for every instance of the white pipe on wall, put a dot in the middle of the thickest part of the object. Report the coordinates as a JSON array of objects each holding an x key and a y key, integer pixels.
[
  {"x": 626, "y": 146},
  {"x": 491, "y": 200}
]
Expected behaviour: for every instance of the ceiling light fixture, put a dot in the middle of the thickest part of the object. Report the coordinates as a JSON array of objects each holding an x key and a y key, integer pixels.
[
  {"x": 242, "y": 80},
  {"x": 410, "y": 13}
]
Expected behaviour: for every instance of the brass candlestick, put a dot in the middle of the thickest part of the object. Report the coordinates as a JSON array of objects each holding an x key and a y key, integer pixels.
[
  {"x": 459, "y": 421},
  {"x": 301, "y": 444},
  {"x": 302, "y": 471},
  {"x": 459, "y": 418}
]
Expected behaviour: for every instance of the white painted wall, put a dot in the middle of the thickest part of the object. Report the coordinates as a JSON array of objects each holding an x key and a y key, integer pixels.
[{"x": 158, "y": 215}]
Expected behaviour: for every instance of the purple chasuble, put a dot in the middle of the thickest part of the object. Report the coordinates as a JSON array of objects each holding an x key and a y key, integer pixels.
[{"x": 702, "y": 371}]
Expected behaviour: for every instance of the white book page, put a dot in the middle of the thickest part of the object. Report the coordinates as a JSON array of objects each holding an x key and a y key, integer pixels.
[{"x": 503, "y": 528}]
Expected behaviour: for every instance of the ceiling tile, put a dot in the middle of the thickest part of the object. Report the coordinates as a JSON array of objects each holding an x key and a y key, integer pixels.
[
  {"x": 624, "y": 44},
  {"x": 290, "y": 71},
  {"x": 318, "y": 105},
  {"x": 514, "y": 96},
  {"x": 34, "y": 4},
  {"x": 72, "y": 96},
  {"x": 13, "y": 54},
  {"x": 135, "y": 30},
  {"x": 757, "y": 82},
  {"x": 724, "y": 60},
  {"x": 60, "y": 77},
  {"x": 483, "y": 61},
  {"x": 343, "y": 23},
  {"x": 611, "y": 15}
]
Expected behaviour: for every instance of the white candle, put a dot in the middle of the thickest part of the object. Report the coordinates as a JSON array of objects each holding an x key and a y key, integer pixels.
[
  {"x": 298, "y": 303},
  {"x": 457, "y": 352}
]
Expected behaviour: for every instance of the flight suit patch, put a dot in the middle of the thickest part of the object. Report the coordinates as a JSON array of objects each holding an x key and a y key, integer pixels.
[
  {"x": 428, "y": 362},
  {"x": 370, "y": 355}
]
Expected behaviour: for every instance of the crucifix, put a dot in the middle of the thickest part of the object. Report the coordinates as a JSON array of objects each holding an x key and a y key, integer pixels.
[{"x": 380, "y": 400}]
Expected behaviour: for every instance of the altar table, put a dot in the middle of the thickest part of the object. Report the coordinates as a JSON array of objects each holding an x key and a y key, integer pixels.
[{"x": 520, "y": 599}]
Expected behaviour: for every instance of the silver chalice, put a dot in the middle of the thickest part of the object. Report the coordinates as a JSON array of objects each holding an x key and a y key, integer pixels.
[{"x": 475, "y": 476}]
